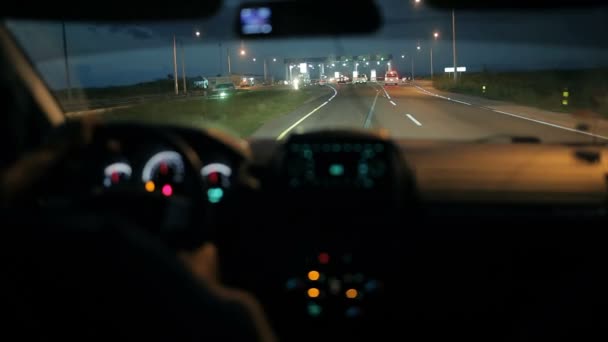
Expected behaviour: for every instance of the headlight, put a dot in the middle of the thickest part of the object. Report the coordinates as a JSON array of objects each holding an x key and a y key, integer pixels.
[{"x": 223, "y": 94}]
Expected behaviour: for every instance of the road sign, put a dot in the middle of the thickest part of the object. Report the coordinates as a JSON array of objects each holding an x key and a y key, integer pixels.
[{"x": 459, "y": 69}]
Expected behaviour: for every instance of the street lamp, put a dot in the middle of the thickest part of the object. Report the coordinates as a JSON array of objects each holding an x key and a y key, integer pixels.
[
  {"x": 402, "y": 56},
  {"x": 254, "y": 59},
  {"x": 242, "y": 52},
  {"x": 197, "y": 33},
  {"x": 274, "y": 59},
  {"x": 435, "y": 35},
  {"x": 453, "y": 40}
]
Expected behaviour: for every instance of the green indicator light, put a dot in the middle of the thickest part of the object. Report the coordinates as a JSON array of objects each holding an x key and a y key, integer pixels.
[
  {"x": 336, "y": 170},
  {"x": 363, "y": 169},
  {"x": 215, "y": 194},
  {"x": 314, "y": 309}
]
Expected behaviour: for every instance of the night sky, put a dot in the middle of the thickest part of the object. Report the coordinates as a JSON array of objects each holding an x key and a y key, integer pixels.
[{"x": 113, "y": 54}]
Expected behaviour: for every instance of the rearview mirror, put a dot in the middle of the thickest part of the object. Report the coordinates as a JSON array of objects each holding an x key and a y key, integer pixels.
[{"x": 306, "y": 18}]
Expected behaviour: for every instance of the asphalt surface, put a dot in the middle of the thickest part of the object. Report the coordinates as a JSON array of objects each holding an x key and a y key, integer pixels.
[{"x": 407, "y": 111}]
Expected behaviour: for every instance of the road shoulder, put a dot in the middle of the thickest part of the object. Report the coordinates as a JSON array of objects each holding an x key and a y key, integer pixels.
[{"x": 597, "y": 126}]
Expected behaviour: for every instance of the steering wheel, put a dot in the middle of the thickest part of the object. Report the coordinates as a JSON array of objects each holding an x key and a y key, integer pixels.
[{"x": 182, "y": 221}]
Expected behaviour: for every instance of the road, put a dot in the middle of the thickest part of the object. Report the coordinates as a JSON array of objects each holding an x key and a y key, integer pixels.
[{"x": 409, "y": 111}]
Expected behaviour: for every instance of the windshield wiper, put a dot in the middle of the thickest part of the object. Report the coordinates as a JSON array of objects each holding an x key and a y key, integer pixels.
[{"x": 513, "y": 139}]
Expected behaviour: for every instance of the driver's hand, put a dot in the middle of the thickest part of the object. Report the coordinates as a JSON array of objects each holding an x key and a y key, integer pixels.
[{"x": 203, "y": 262}]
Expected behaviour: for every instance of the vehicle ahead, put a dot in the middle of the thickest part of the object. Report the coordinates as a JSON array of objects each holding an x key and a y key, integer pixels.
[
  {"x": 391, "y": 78},
  {"x": 222, "y": 91},
  {"x": 361, "y": 79},
  {"x": 343, "y": 79}
]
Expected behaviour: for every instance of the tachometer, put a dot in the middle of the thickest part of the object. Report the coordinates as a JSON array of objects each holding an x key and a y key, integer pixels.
[
  {"x": 116, "y": 173},
  {"x": 166, "y": 167},
  {"x": 217, "y": 174},
  {"x": 217, "y": 178}
]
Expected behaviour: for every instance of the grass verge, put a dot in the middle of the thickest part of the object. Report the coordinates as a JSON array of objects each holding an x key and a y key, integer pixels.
[
  {"x": 587, "y": 89},
  {"x": 241, "y": 114}
]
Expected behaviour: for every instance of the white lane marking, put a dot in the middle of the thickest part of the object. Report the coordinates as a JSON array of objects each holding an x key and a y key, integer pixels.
[
  {"x": 550, "y": 124},
  {"x": 393, "y": 103},
  {"x": 387, "y": 95},
  {"x": 522, "y": 117},
  {"x": 370, "y": 114},
  {"x": 411, "y": 117},
  {"x": 464, "y": 103},
  {"x": 284, "y": 133}
]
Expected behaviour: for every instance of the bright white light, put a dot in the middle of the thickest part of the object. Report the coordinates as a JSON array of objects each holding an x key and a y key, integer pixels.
[
  {"x": 216, "y": 167},
  {"x": 418, "y": 47},
  {"x": 303, "y": 68},
  {"x": 366, "y": 63},
  {"x": 333, "y": 65},
  {"x": 254, "y": 59},
  {"x": 242, "y": 52},
  {"x": 382, "y": 58},
  {"x": 117, "y": 168},
  {"x": 346, "y": 60},
  {"x": 198, "y": 33},
  {"x": 378, "y": 62},
  {"x": 274, "y": 59},
  {"x": 402, "y": 56},
  {"x": 436, "y": 34},
  {"x": 343, "y": 64},
  {"x": 296, "y": 84}
]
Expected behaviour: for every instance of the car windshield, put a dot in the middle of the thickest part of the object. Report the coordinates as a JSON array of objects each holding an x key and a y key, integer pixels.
[{"x": 465, "y": 75}]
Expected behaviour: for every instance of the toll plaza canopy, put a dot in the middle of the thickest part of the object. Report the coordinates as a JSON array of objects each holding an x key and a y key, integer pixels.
[{"x": 340, "y": 59}]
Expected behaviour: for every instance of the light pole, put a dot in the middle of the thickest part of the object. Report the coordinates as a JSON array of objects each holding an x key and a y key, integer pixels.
[
  {"x": 265, "y": 70},
  {"x": 183, "y": 67},
  {"x": 67, "y": 64},
  {"x": 175, "y": 66},
  {"x": 435, "y": 36},
  {"x": 454, "y": 43},
  {"x": 453, "y": 39}
]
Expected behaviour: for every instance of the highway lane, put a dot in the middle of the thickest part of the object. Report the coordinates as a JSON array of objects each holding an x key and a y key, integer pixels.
[{"x": 408, "y": 112}]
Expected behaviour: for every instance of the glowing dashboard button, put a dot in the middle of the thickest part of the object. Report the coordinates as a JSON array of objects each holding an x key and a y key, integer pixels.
[
  {"x": 313, "y": 292},
  {"x": 150, "y": 186},
  {"x": 314, "y": 275},
  {"x": 351, "y": 293}
]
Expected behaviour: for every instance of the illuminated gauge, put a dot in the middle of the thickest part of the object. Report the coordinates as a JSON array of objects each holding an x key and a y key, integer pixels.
[
  {"x": 217, "y": 177},
  {"x": 116, "y": 173},
  {"x": 166, "y": 167},
  {"x": 217, "y": 174}
]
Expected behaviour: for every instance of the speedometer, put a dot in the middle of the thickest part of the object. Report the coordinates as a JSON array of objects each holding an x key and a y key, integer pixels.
[
  {"x": 116, "y": 173},
  {"x": 163, "y": 168}
]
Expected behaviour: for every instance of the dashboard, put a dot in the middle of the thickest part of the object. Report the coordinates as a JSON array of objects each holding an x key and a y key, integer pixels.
[
  {"x": 324, "y": 226},
  {"x": 126, "y": 158}
]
